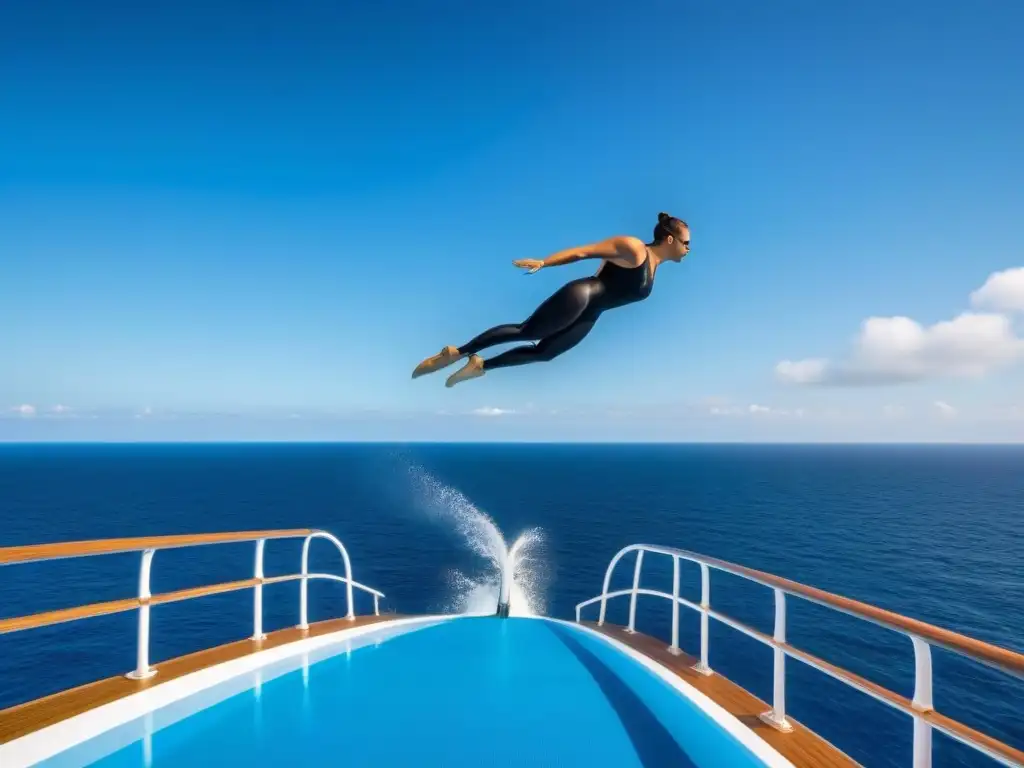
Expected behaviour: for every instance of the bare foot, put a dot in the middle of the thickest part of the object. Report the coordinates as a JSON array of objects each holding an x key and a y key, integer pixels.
[
  {"x": 473, "y": 368},
  {"x": 442, "y": 359}
]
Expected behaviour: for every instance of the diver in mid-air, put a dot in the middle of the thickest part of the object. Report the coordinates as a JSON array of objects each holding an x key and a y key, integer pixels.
[{"x": 562, "y": 321}]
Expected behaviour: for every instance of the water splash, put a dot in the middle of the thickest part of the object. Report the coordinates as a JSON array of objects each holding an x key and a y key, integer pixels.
[{"x": 478, "y": 593}]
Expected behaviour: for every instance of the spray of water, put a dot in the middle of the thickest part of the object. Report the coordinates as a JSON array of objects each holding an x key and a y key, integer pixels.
[{"x": 522, "y": 563}]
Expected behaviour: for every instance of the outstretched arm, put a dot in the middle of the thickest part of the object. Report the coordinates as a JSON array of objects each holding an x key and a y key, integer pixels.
[{"x": 624, "y": 251}]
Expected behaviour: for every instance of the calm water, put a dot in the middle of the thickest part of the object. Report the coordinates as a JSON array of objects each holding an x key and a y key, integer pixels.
[
  {"x": 933, "y": 532},
  {"x": 460, "y": 694}
]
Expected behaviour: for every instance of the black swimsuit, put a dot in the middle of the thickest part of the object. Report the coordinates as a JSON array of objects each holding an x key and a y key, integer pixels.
[{"x": 567, "y": 316}]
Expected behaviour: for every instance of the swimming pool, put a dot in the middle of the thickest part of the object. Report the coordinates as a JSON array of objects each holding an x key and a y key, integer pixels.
[{"x": 464, "y": 692}]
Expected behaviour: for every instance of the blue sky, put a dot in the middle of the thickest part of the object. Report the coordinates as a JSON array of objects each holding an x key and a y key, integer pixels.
[{"x": 238, "y": 221}]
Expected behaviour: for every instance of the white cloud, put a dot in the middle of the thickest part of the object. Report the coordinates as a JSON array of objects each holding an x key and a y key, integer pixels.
[
  {"x": 58, "y": 412},
  {"x": 486, "y": 411},
  {"x": 810, "y": 371},
  {"x": 945, "y": 409},
  {"x": 890, "y": 350},
  {"x": 721, "y": 407},
  {"x": 765, "y": 410},
  {"x": 25, "y": 410},
  {"x": 1002, "y": 292}
]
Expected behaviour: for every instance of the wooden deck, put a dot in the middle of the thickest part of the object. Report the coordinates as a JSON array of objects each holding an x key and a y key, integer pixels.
[
  {"x": 801, "y": 746},
  {"x": 25, "y": 718}
]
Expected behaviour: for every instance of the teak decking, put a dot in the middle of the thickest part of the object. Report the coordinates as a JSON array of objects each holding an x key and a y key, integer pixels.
[
  {"x": 802, "y": 747},
  {"x": 32, "y": 716}
]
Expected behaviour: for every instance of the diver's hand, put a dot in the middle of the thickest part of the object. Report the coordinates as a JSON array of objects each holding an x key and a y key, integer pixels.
[{"x": 530, "y": 265}]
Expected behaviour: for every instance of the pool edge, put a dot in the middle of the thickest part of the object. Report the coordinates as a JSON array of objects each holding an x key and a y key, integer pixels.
[{"x": 53, "y": 739}]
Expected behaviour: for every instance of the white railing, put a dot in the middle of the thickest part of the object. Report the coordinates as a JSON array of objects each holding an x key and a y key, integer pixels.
[
  {"x": 148, "y": 547},
  {"x": 923, "y": 636},
  {"x": 347, "y": 580},
  {"x": 142, "y": 668}
]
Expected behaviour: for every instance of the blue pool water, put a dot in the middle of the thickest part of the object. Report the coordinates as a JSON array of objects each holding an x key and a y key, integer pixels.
[{"x": 469, "y": 692}]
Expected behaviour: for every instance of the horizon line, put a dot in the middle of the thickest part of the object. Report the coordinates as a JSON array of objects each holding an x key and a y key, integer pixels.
[{"x": 291, "y": 441}]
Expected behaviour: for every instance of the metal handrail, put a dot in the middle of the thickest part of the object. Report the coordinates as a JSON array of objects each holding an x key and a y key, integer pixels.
[
  {"x": 303, "y": 601},
  {"x": 922, "y": 635},
  {"x": 149, "y": 546}
]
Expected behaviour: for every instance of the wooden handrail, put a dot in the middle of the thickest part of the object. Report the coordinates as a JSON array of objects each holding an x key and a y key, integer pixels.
[
  {"x": 986, "y": 653},
  {"x": 996, "y": 656},
  {"x": 33, "y": 621},
  {"x": 18, "y": 623},
  {"x": 60, "y": 550},
  {"x": 905, "y": 705},
  {"x": 968, "y": 734}
]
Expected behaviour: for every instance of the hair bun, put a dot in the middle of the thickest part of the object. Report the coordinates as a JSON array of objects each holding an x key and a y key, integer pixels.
[{"x": 663, "y": 217}]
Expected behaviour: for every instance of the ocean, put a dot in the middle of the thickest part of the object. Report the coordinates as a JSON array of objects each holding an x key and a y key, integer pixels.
[{"x": 933, "y": 532}]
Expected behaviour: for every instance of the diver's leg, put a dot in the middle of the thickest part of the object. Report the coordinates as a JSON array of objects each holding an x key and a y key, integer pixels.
[
  {"x": 558, "y": 311},
  {"x": 543, "y": 351},
  {"x": 547, "y": 349}
]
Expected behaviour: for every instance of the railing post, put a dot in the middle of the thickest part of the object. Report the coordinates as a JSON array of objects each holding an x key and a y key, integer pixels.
[
  {"x": 674, "y": 648},
  {"x": 702, "y": 666},
  {"x": 142, "y": 668},
  {"x": 303, "y": 598},
  {"x": 922, "y": 702},
  {"x": 636, "y": 585},
  {"x": 257, "y": 593},
  {"x": 376, "y": 605},
  {"x": 304, "y": 581},
  {"x": 608, "y": 581},
  {"x": 777, "y": 716},
  {"x": 304, "y": 584}
]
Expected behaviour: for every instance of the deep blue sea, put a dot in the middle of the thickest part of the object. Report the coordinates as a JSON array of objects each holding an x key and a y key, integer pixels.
[{"x": 934, "y": 532}]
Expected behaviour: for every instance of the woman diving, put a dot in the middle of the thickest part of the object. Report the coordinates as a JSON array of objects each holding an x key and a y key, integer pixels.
[{"x": 562, "y": 321}]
